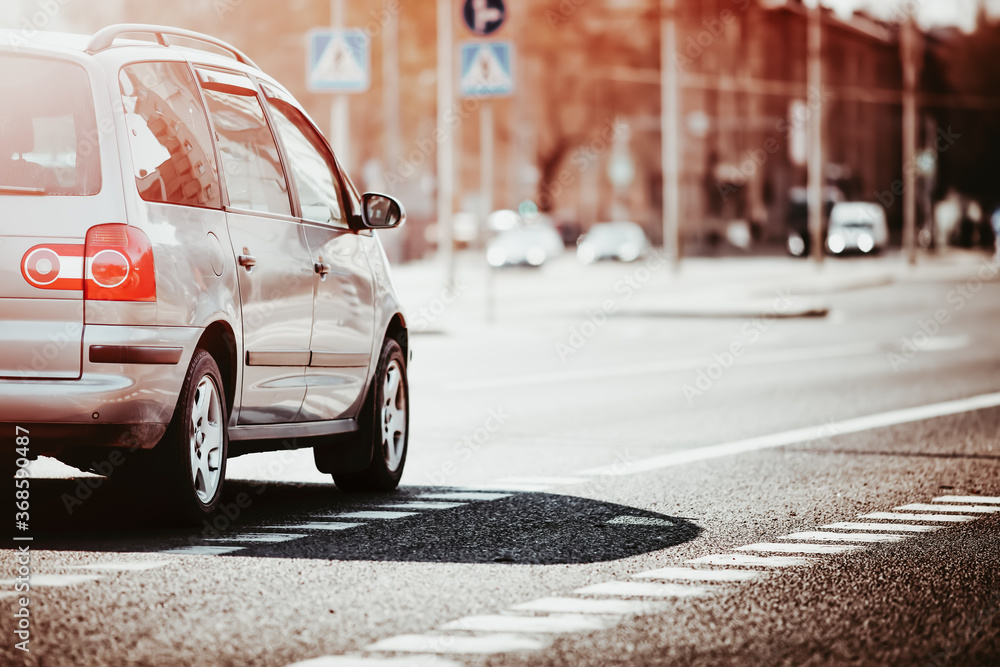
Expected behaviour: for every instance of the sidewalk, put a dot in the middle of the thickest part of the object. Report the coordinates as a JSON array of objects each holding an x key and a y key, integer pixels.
[{"x": 730, "y": 287}]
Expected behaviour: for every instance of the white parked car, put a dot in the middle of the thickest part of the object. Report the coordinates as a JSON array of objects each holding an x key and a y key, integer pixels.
[{"x": 857, "y": 227}]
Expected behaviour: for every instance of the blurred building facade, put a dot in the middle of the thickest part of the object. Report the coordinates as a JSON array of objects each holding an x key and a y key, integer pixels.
[{"x": 581, "y": 135}]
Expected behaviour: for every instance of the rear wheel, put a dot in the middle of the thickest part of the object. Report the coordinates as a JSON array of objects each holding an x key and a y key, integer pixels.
[
  {"x": 190, "y": 461},
  {"x": 385, "y": 423}
]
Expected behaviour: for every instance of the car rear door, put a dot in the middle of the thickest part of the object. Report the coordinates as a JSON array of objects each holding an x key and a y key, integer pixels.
[
  {"x": 50, "y": 194},
  {"x": 276, "y": 274}
]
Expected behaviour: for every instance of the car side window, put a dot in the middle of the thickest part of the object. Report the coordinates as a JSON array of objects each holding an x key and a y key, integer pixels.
[
  {"x": 311, "y": 166},
  {"x": 251, "y": 166},
  {"x": 171, "y": 143}
]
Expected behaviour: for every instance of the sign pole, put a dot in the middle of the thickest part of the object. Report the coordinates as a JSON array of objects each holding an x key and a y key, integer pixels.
[
  {"x": 908, "y": 53},
  {"x": 486, "y": 130},
  {"x": 340, "y": 118},
  {"x": 815, "y": 164},
  {"x": 670, "y": 133},
  {"x": 445, "y": 136}
]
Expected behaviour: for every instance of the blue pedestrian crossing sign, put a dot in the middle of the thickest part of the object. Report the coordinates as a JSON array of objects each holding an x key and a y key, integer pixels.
[
  {"x": 487, "y": 69},
  {"x": 339, "y": 61}
]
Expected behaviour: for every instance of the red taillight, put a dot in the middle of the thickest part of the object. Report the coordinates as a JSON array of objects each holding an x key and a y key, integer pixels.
[
  {"x": 54, "y": 267},
  {"x": 119, "y": 261}
]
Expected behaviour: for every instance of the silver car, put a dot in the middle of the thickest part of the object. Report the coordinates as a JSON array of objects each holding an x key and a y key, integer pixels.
[{"x": 187, "y": 272}]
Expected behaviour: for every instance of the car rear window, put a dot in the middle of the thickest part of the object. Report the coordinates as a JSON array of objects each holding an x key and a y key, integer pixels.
[
  {"x": 172, "y": 151},
  {"x": 48, "y": 131}
]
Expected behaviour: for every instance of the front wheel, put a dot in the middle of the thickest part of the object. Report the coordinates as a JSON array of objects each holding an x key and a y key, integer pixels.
[
  {"x": 191, "y": 460},
  {"x": 385, "y": 423}
]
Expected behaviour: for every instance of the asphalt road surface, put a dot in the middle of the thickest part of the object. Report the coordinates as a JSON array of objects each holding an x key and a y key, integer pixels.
[{"x": 649, "y": 489}]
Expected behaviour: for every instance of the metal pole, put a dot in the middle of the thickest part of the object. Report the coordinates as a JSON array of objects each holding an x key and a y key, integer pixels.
[
  {"x": 340, "y": 118},
  {"x": 670, "y": 132},
  {"x": 815, "y": 184},
  {"x": 390, "y": 78},
  {"x": 486, "y": 193},
  {"x": 445, "y": 136},
  {"x": 908, "y": 55}
]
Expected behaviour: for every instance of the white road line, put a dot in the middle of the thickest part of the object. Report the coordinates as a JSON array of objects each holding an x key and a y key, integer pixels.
[
  {"x": 464, "y": 495},
  {"x": 495, "y": 643},
  {"x": 944, "y": 343},
  {"x": 201, "y": 550},
  {"x": 778, "y": 547},
  {"x": 752, "y": 561},
  {"x": 800, "y": 435},
  {"x": 824, "y": 536},
  {"x": 627, "y": 520},
  {"x": 319, "y": 525},
  {"x": 267, "y": 538},
  {"x": 516, "y": 488},
  {"x": 691, "y": 574},
  {"x": 585, "y": 606},
  {"x": 423, "y": 505},
  {"x": 548, "y": 481},
  {"x": 9, "y": 594},
  {"x": 125, "y": 566},
  {"x": 629, "y": 370},
  {"x": 530, "y": 624},
  {"x": 892, "y": 527},
  {"x": 968, "y": 509},
  {"x": 370, "y": 514},
  {"x": 641, "y": 589},
  {"x": 902, "y": 516},
  {"x": 358, "y": 661},
  {"x": 54, "y": 580},
  {"x": 988, "y": 500}
]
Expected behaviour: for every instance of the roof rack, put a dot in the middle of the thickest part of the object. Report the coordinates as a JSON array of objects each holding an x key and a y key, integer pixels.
[{"x": 105, "y": 39}]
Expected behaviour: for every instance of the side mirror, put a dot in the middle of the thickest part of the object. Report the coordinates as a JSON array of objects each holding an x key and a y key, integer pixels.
[{"x": 380, "y": 211}]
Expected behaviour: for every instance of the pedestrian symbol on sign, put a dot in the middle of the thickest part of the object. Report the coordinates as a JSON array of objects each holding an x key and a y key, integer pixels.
[
  {"x": 338, "y": 61},
  {"x": 486, "y": 69}
]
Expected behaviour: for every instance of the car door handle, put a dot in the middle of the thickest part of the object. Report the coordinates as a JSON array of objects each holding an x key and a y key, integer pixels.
[
  {"x": 322, "y": 268},
  {"x": 247, "y": 260}
]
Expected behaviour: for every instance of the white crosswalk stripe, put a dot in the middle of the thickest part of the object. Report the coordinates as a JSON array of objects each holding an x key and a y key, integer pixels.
[
  {"x": 824, "y": 536},
  {"x": 891, "y": 527}
]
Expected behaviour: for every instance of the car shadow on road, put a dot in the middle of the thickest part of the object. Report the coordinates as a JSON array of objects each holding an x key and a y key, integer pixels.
[{"x": 521, "y": 527}]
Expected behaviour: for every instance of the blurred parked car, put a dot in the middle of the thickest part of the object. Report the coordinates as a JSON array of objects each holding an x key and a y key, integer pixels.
[
  {"x": 624, "y": 241},
  {"x": 857, "y": 227},
  {"x": 528, "y": 245}
]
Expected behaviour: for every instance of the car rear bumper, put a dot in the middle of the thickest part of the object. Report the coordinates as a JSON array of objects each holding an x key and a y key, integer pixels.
[{"x": 125, "y": 396}]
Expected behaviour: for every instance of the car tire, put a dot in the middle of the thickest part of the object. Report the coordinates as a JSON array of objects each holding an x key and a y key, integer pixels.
[
  {"x": 385, "y": 423},
  {"x": 190, "y": 460}
]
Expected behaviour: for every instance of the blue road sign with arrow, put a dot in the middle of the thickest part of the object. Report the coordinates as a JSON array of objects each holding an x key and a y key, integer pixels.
[{"x": 484, "y": 17}]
